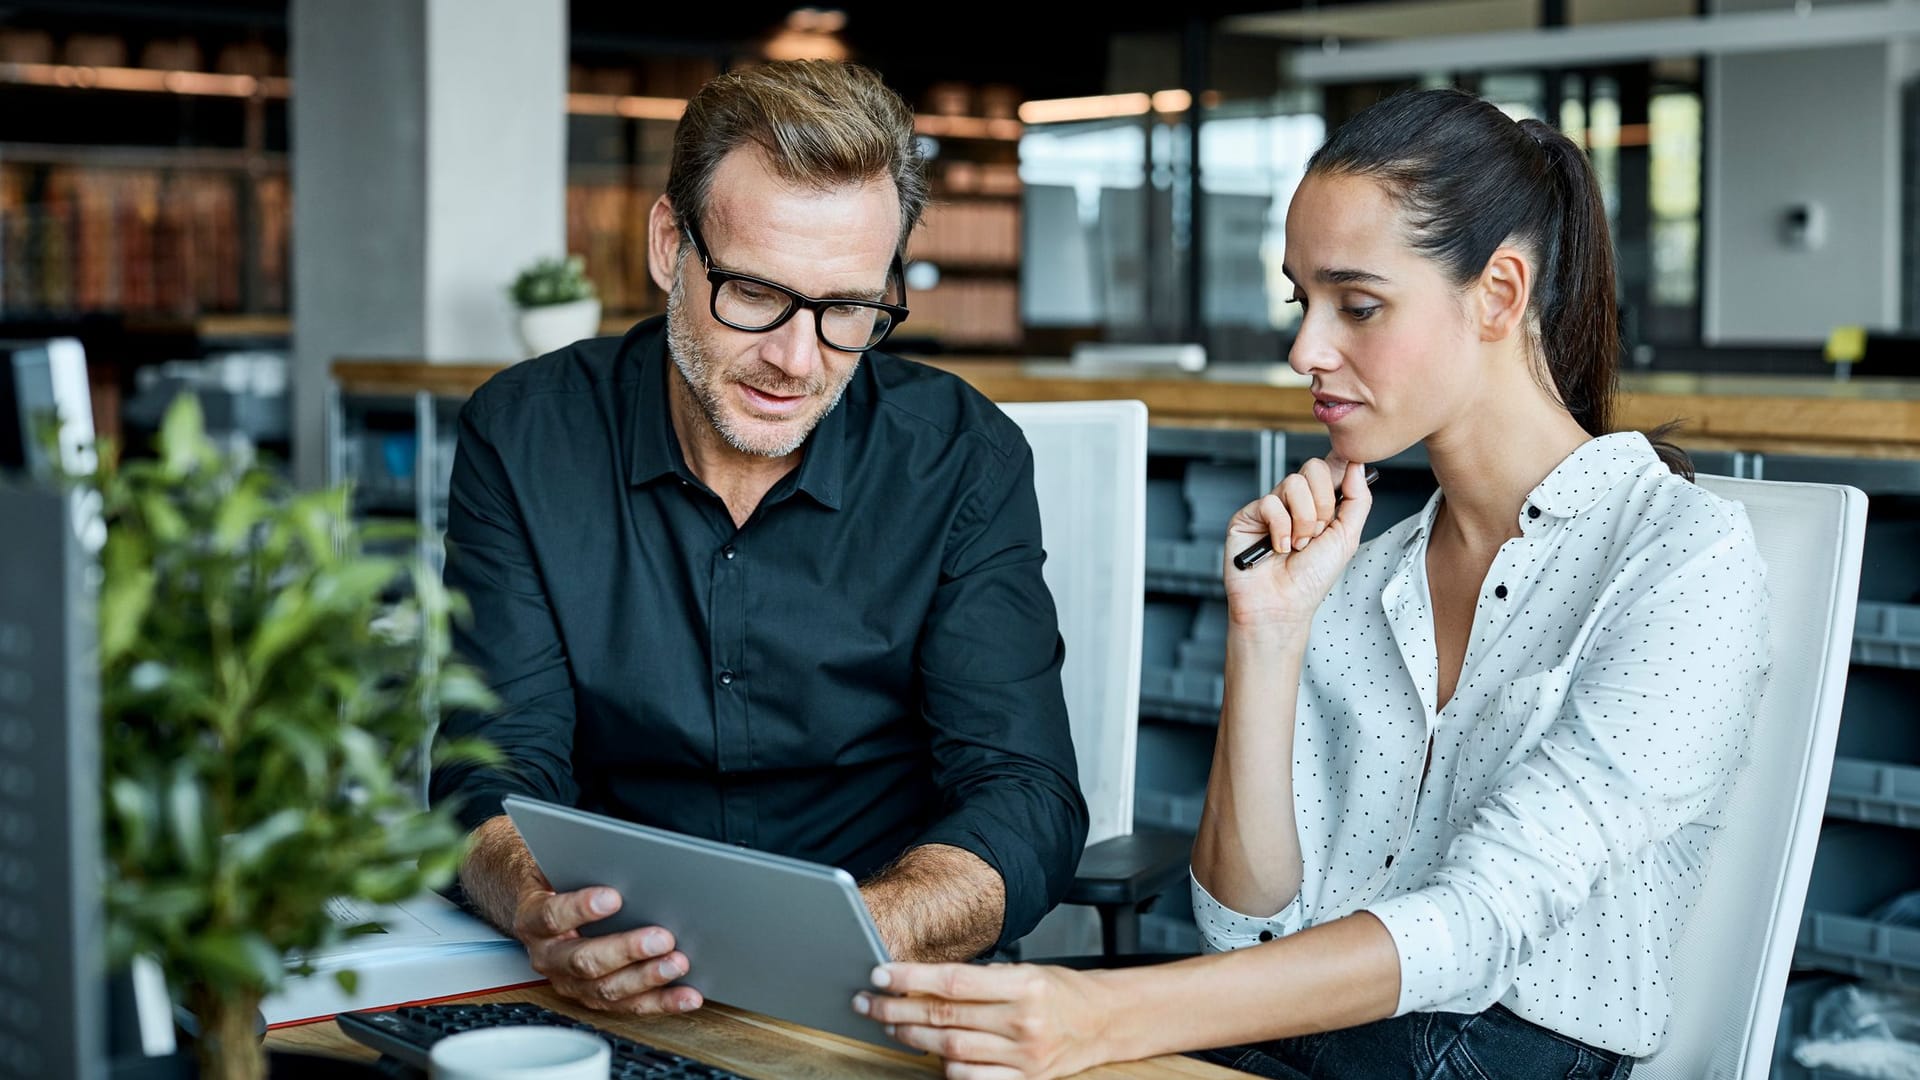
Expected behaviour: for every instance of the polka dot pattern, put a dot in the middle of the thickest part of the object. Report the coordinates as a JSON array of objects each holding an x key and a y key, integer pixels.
[{"x": 1550, "y": 856}]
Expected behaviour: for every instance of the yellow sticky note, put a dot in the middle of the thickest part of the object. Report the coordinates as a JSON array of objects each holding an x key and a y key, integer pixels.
[{"x": 1846, "y": 345}]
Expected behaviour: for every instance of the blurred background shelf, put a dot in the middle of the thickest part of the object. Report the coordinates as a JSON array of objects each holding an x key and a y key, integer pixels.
[
  {"x": 1875, "y": 792},
  {"x": 1887, "y": 635}
]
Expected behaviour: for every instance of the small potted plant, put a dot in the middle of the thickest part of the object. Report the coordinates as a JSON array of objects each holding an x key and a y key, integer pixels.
[
  {"x": 558, "y": 305},
  {"x": 268, "y": 689}
]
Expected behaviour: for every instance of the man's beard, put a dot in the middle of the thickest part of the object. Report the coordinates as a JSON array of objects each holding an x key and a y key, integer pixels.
[{"x": 697, "y": 368}]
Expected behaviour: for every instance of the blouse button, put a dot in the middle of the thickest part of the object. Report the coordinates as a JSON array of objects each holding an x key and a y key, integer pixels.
[
  {"x": 1533, "y": 512},
  {"x": 1500, "y": 591},
  {"x": 1266, "y": 935}
]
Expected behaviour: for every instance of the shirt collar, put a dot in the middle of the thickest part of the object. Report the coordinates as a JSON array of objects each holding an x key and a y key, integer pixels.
[
  {"x": 654, "y": 450},
  {"x": 1594, "y": 468},
  {"x": 1574, "y": 485}
]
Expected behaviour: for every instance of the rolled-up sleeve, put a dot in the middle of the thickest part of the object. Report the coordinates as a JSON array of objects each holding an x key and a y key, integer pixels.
[
  {"x": 1223, "y": 929},
  {"x": 1651, "y": 731},
  {"x": 511, "y": 638},
  {"x": 989, "y": 661}
]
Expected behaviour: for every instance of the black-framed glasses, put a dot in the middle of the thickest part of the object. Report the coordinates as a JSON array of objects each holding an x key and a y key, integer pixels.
[{"x": 757, "y": 305}]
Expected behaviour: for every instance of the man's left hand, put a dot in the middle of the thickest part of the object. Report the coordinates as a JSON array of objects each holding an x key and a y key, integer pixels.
[{"x": 993, "y": 1022}]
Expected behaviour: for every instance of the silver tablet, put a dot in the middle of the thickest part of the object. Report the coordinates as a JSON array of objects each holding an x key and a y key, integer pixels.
[{"x": 773, "y": 934}]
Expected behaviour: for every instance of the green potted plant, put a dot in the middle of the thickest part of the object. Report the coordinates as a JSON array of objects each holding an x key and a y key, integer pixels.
[
  {"x": 266, "y": 705},
  {"x": 558, "y": 305}
]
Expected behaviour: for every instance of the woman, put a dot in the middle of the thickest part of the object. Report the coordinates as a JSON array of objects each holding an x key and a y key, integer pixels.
[{"x": 1465, "y": 773}]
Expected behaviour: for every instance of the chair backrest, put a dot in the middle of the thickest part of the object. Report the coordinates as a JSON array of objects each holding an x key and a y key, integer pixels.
[
  {"x": 1090, "y": 473},
  {"x": 1730, "y": 964}
]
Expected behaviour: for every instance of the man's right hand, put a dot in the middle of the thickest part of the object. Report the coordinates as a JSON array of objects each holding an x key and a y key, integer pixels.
[{"x": 628, "y": 972}]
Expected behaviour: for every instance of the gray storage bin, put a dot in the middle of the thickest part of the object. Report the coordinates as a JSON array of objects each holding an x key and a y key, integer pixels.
[
  {"x": 1887, "y": 635},
  {"x": 1856, "y": 870},
  {"x": 1203, "y": 654},
  {"x": 1856, "y": 945},
  {"x": 1214, "y": 493},
  {"x": 1165, "y": 626},
  {"x": 1174, "y": 758},
  {"x": 1166, "y": 509},
  {"x": 1184, "y": 567},
  {"x": 1179, "y": 811},
  {"x": 1205, "y": 649},
  {"x": 1877, "y": 792},
  {"x": 1187, "y": 696}
]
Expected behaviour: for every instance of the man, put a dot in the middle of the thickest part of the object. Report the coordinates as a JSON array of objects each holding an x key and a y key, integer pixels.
[{"x": 736, "y": 576}]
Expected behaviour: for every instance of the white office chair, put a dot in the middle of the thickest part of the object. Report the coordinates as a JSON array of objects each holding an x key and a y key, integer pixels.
[
  {"x": 1730, "y": 964},
  {"x": 1090, "y": 473}
]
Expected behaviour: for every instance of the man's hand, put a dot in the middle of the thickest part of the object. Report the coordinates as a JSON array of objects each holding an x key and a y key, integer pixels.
[{"x": 628, "y": 972}]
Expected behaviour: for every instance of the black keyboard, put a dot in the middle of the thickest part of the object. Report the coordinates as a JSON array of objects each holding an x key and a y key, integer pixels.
[{"x": 409, "y": 1033}]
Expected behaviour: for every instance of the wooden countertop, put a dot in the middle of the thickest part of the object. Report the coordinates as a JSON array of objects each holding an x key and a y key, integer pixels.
[
  {"x": 748, "y": 1043},
  {"x": 1874, "y": 418}
]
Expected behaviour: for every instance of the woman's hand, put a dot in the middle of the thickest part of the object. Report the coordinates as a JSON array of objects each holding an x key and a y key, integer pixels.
[
  {"x": 1314, "y": 537},
  {"x": 994, "y": 1022}
]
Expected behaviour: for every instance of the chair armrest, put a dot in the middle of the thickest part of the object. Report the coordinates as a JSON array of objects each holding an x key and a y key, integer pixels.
[{"x": 1130, "y": 869}]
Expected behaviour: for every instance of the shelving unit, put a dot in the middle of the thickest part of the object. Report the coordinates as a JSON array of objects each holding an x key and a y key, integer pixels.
[
  {"x": 971, "y": 237},
  {"x": 189, "y": 232},
  {"x": 397, "y": 450},
  {"x": 1869, "y": 850}
]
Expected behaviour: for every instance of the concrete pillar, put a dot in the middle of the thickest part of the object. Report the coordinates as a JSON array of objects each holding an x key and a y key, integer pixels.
[{"x": 429, "y": 165}]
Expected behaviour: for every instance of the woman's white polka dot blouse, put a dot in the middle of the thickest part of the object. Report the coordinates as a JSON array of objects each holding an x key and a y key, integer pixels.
[{"x": 1551, "y": 856}]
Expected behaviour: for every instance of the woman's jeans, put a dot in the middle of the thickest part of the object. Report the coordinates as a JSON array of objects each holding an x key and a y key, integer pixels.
[{"x": 1493, "y": 1045}]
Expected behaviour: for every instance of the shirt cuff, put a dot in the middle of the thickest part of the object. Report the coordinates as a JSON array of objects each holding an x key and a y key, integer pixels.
[
  {"x": 475, "y": 807},
  {"x": 1223, "y": 929},
  {"x": 1424, "y": 940}
]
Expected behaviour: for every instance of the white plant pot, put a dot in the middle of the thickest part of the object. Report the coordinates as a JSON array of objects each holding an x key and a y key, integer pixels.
[{"x": 555, "y": 326}]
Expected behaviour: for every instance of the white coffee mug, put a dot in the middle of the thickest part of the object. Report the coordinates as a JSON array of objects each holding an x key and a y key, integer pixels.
[{"x": 521, "y": 1053}]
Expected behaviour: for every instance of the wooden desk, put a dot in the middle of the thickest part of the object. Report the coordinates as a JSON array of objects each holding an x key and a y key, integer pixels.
[
  {"x": 1775, "y": 414},
  {"x": 747, "y": 1043}
]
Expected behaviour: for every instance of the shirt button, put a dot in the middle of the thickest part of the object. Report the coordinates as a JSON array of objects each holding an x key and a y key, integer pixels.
[
  {"x": 1500, "y": 591},
  {"x": 1389, "y": 862},
  {"x": 726, "y": 678},
  {"x": 727, "y": 551},
  {"x": 1266, "y": 935},
  {"x": 1533, "y": 512}
]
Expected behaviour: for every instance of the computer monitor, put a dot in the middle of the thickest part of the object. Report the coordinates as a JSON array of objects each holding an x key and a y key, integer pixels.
[
  {"x": 40, "y": 382},
  {"x": 52, "y": 988}
]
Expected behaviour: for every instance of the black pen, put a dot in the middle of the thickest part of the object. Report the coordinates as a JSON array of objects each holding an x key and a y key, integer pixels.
[{"x": 1263, "y": 547}]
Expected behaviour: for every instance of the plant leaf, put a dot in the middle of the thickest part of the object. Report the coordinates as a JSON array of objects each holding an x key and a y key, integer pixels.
[
  {"x": 183, "y": 438},
  {"x": 247, "y": 847},
  {"x": 186, "y": 817}
]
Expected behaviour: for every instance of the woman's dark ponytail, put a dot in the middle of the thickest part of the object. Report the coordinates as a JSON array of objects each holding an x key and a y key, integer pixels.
[{"x": 1471, "y": 179}]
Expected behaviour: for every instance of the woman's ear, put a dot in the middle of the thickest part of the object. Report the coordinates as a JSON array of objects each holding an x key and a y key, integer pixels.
[
  {"x": 1502, "y": 294},
  {"x": 663, "y": 244}
]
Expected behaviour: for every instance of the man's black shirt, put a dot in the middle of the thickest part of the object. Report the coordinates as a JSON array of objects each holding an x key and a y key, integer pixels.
[{"x": 870, "y": 663}]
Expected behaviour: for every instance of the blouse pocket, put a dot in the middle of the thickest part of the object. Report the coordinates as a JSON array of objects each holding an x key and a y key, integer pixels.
[{"x": 1501, "y": 737}]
